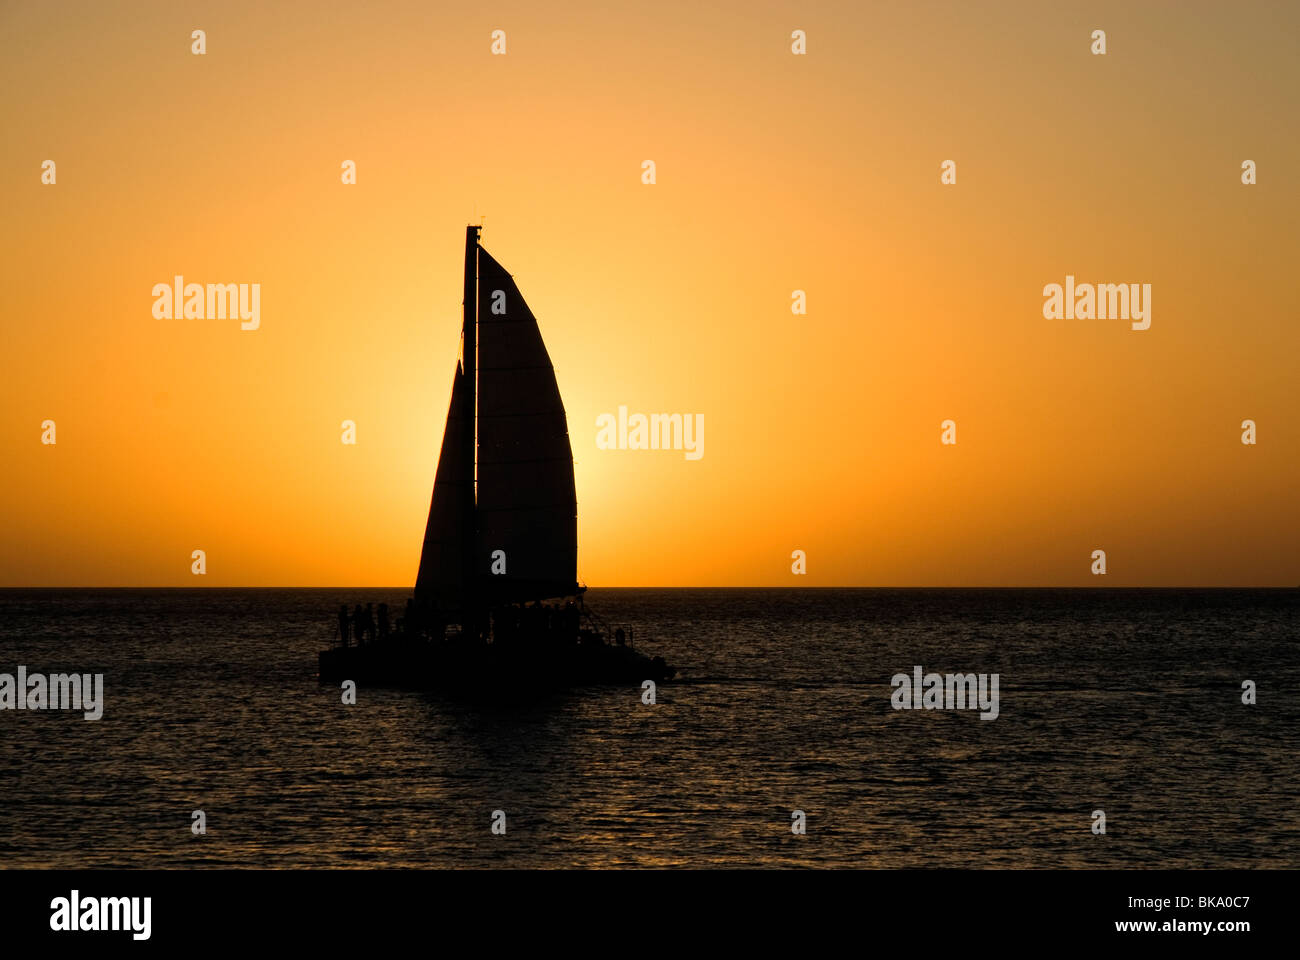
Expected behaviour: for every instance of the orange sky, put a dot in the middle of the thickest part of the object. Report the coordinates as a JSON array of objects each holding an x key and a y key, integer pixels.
[{"x": 775, "y": 173}]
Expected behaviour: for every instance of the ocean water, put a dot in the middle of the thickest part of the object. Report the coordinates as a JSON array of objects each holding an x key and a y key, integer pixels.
[{"x": 1127, "y": 701}]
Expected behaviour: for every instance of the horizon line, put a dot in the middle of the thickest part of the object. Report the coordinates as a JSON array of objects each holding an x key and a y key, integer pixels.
[{"x": 705, "y": 586}]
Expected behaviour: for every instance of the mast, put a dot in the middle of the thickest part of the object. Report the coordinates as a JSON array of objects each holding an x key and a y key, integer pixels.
[{"x": 470, "y": 579}]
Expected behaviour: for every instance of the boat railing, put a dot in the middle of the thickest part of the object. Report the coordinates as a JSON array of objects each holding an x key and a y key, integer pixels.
[{"x": 603, "y": 627}]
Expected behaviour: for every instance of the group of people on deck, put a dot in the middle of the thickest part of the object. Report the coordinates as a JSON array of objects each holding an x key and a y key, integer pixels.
[
  {"x": 532, "y": 622},
  {"x": 363, "y": 625},
  {"x": 368, "y": 625},
  {"x": 508, "y": 624}
]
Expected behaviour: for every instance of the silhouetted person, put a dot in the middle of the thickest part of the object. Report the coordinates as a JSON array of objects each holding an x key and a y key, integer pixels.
[
  {"x": 359, "y": 624},
  {"x": 620, "y": 636},
  {"x": 343, "y": 624},
  {"x": 370, "y": 622},
  {"x": 383, "y": 621},
  {"x": 409, "y": 624}
]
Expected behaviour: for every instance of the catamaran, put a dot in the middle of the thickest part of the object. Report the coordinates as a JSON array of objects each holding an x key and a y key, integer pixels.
[{"x": 497, "y": 597}]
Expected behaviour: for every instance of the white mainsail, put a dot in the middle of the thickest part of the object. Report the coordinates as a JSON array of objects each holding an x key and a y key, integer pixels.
[{"x": 526, "y": 502}]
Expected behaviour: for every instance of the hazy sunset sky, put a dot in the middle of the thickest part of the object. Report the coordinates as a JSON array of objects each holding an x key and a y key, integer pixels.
[{"x": 775, "y": 173}]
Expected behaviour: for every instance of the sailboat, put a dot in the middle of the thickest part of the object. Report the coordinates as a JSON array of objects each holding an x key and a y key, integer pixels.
[{"x": 497, "y": 597}]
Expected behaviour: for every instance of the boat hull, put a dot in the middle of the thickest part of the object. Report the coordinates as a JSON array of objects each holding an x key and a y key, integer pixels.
[{"x": 452, "y": 665}]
